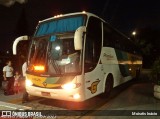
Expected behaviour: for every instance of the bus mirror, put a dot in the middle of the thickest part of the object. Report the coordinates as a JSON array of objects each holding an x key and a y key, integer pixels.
[
  {"x": 78, "y": 37},
  {"x": 15, "y": 43}
]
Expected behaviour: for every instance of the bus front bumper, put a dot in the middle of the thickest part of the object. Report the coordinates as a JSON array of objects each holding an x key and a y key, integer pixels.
[{"x": 60, "y": 94}]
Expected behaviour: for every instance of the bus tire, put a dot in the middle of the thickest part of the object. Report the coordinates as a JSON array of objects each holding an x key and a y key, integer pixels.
[
  {"x": 108, "y": 86},
  {"x": 138, "y": 72}
]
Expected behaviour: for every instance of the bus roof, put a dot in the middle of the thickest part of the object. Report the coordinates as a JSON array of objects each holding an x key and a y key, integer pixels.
[
  {"x": 81, "y": 13},
  {"x": 70, "y": 14}
]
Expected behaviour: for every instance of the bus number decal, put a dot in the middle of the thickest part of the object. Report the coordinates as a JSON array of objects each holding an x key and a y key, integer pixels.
[{"x": 93, "y": 87}]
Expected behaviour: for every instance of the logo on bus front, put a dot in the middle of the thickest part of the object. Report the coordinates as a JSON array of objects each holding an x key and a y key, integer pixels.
[
  {"x": 93, "y": 87},
  {"x": 44, "y": 84}
]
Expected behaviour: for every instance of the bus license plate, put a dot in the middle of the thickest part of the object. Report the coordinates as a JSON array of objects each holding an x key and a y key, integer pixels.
[{"x": 46, "y": 94}]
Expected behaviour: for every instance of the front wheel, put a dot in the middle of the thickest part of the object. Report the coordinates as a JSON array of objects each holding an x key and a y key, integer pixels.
[{"x": 108, "y": 86}]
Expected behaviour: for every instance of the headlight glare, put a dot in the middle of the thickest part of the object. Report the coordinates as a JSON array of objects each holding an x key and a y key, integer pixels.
[{"x": 28, "y": 82}]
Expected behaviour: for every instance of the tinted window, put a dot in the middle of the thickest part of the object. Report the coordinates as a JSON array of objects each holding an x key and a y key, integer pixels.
[
  {"x": 115, "y": 39},
  {"x": 93, "y": 43}
]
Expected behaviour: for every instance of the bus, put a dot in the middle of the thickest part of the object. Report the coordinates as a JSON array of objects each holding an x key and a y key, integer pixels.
[{"x": 77, "y": 56}]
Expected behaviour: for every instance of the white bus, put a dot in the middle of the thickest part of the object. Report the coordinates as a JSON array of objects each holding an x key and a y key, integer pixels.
[{"x": 77, "y": 56}]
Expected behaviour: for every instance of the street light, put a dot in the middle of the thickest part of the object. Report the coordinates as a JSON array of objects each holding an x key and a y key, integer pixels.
[{"x": 134, "y": 33}]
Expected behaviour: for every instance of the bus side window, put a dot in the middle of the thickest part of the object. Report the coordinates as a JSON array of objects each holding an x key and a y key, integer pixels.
[
  {"x": 93, "y": 43},
  {"x": 110, "y": 37}
]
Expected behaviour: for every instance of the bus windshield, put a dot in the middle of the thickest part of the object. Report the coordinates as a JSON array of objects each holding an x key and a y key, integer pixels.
[
  {"x": 56, "y": 53},
  {"x": 53, "y": 46}
]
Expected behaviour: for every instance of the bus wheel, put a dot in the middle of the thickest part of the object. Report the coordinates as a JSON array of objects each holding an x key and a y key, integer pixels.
[
  {"x": 108, "y": 86},
  {"x": 138, "y": 72}
]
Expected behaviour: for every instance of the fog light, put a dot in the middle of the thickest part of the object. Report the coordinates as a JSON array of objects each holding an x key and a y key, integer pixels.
[{"x": 76, "y": 96}]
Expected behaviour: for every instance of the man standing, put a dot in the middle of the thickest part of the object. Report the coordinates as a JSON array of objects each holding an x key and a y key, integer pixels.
[
  {"x": 25, "y": 94},
  {"x": 8, "y": 76}
]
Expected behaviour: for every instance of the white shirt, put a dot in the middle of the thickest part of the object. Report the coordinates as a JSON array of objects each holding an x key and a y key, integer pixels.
[
  {"x": 8, "y": 70},
  {"x": 24, "y": 68}
]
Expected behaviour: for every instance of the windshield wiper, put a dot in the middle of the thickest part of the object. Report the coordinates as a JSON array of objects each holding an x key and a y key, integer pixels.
[{"x": 54, "y": 63}]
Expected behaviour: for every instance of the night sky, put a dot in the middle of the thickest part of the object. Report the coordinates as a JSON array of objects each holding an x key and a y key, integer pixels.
[{"x": 125, "y": 15}]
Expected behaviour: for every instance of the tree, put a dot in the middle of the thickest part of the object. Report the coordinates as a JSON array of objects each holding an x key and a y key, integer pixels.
[{"x": 147, "y": 39}]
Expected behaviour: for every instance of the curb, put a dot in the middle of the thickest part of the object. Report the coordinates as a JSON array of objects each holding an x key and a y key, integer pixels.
[{"x": 157, "y": 91}]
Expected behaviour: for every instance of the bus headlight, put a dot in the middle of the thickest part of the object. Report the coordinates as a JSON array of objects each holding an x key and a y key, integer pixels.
[
  {"x": 69, "y": 86},
  {"x": 28, "y": 82},
  {"x": 76, "y": 96}
]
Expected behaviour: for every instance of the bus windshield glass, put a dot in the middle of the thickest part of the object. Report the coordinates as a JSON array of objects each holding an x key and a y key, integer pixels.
[
  {"x": 53, "y": 46},
  {"x": 56, "y": 53},
  {"x": 63, "y": 59}
]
